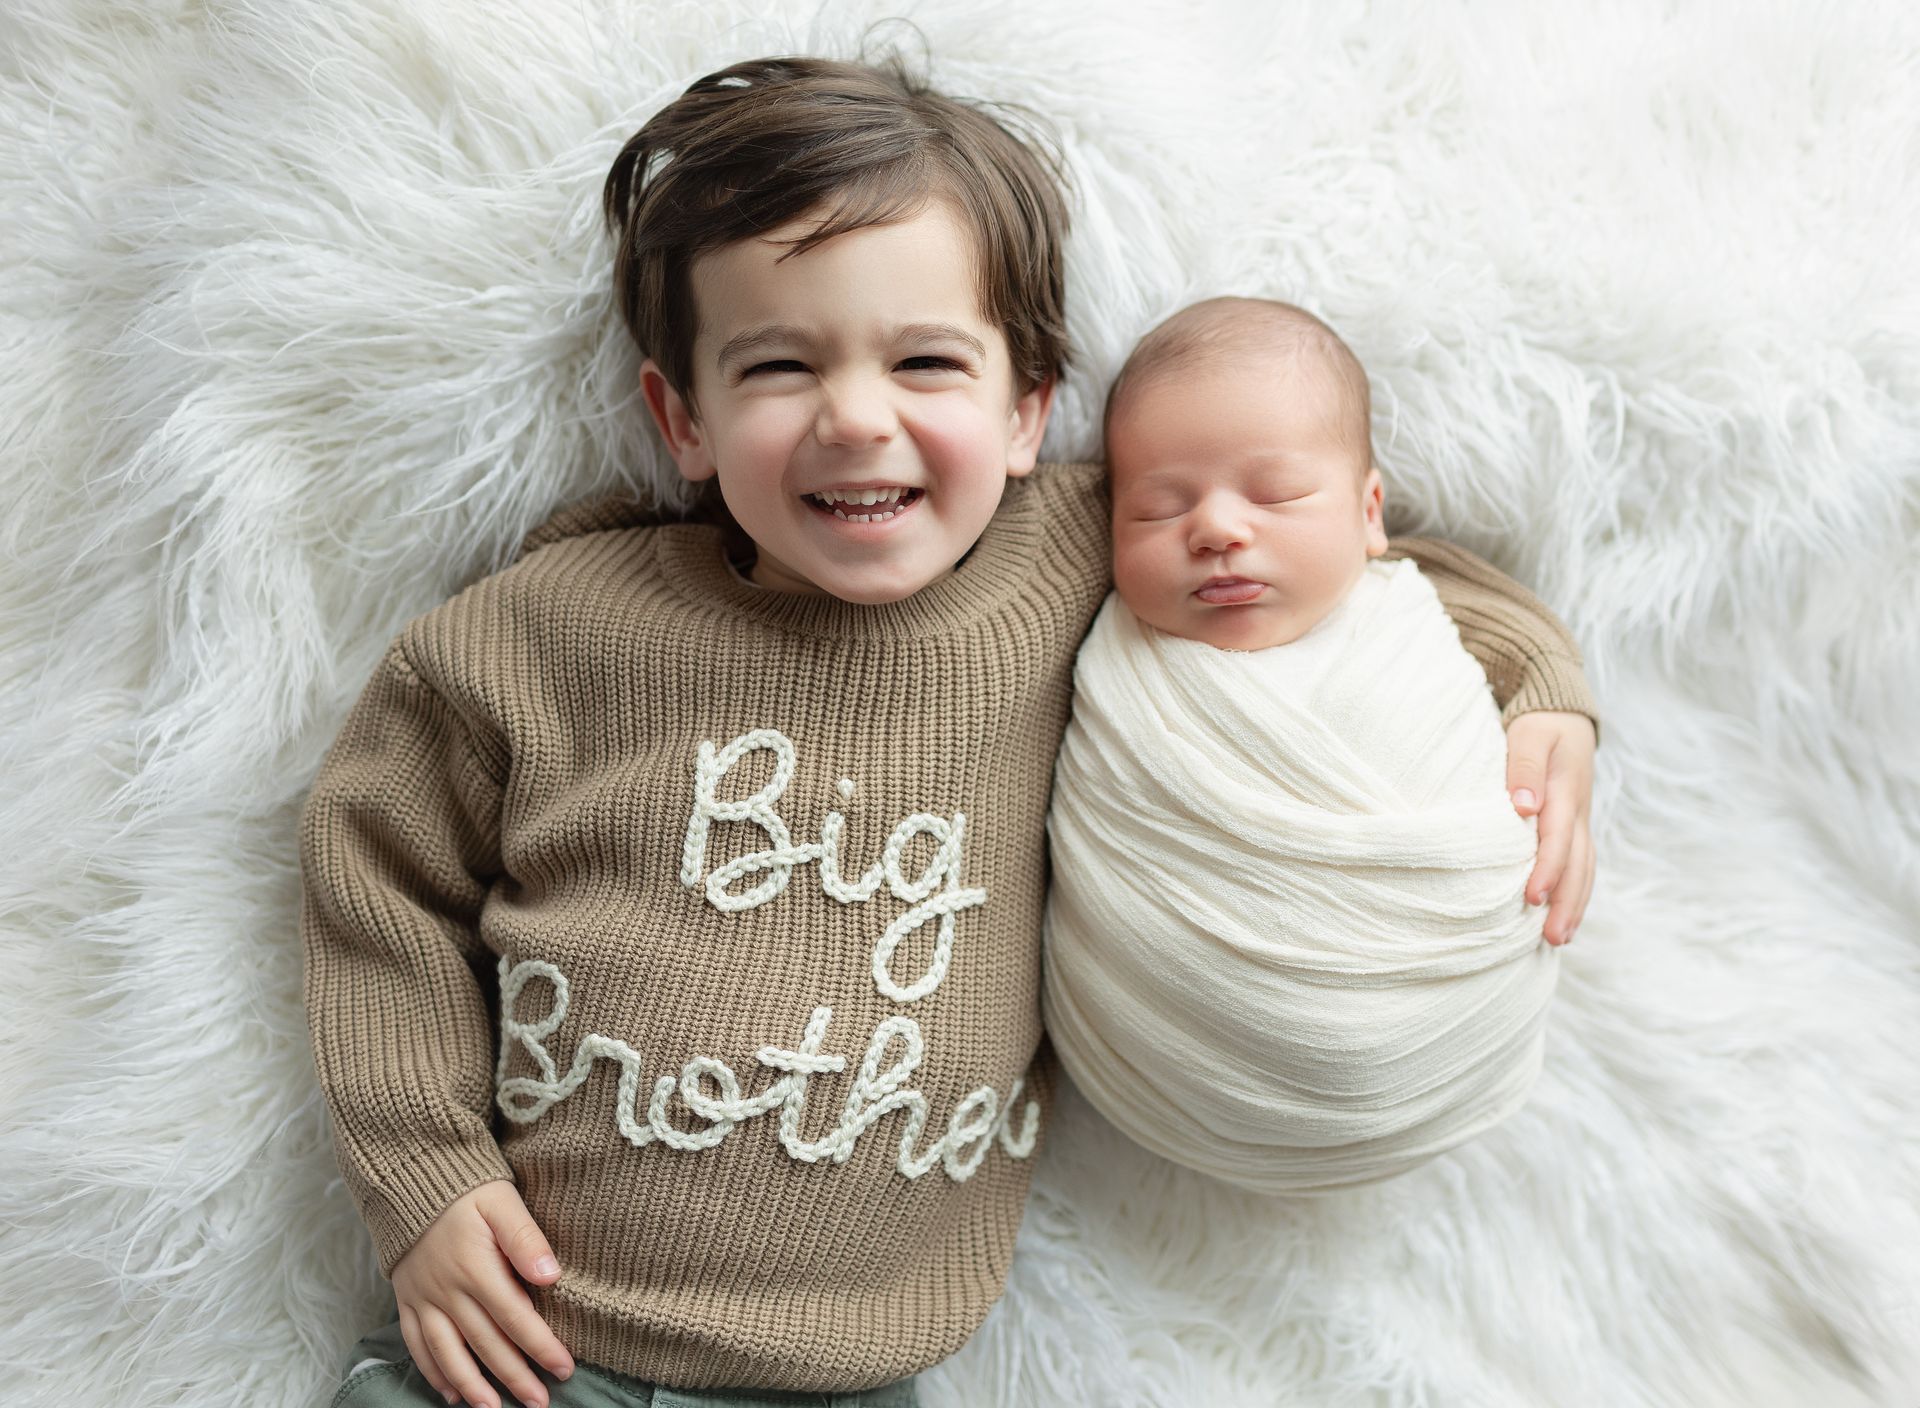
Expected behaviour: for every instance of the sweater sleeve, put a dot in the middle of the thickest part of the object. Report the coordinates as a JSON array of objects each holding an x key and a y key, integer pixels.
[
  {"x": 1530, "y": 658},
  {"x": 399, "y": 838}
]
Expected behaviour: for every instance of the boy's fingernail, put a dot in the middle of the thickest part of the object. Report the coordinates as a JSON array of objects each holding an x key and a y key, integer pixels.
[
  {"x": 1523, "y": 798},
  {"x": 546, "y": 1266}
]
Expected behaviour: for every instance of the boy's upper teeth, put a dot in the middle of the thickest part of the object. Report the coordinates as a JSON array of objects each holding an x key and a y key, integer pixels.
[{"x": 861, "y": 496}]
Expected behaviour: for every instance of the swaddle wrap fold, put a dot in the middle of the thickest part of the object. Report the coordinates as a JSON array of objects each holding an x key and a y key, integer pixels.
[{"x": 1287, "y": 943}]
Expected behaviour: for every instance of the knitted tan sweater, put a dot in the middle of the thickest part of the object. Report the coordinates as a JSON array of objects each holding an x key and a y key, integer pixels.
[{"x": 710, "y": 916}]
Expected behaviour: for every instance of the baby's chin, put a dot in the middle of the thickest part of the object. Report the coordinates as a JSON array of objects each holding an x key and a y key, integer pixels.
[{"x": 1257, "y": 625}]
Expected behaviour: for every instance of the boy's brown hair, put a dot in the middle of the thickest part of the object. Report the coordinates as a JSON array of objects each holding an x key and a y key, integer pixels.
[{"x": 748, "y": 148}]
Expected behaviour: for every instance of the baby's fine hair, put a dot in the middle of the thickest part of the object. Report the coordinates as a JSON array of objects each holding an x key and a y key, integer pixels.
[
  {"x": 1216, "y": 331},
  {"x": 764, "y": 141}
]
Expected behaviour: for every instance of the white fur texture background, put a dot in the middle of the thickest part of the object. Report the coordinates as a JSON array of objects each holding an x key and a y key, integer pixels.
[{"x": 305, "y": 320}]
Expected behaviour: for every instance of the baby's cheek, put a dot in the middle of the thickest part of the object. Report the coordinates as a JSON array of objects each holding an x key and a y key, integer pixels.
[
  {"x": 1126, "y": 569},
  {"x": 1301, "y": 546},
  {"x": 1142, "y": 576}
]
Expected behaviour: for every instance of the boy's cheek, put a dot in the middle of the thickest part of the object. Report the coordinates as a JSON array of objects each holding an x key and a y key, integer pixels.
[
  {"x": 954, "y": 435},
  {"x": 760, "y": 443}
]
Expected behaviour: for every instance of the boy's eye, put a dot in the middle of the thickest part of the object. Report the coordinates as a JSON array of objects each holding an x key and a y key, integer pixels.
[{"x": 924, "y": 363}]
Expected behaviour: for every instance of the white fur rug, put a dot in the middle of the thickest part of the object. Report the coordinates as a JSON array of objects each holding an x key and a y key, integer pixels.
[{"x": 306, "y": 322}]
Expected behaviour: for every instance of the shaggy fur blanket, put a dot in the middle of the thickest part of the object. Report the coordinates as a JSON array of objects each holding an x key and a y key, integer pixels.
[{"x": 306, "y": 321}]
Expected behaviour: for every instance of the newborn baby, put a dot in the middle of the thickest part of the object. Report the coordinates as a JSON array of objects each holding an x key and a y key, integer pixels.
[{"x": 1287, "y": 939}]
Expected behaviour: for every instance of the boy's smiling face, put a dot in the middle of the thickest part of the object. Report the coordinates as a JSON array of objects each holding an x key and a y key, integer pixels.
[{"x": 863, "y": 364}]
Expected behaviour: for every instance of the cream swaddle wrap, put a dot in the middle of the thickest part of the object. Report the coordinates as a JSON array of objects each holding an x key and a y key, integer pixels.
[{"x": 1287, "y": 943}]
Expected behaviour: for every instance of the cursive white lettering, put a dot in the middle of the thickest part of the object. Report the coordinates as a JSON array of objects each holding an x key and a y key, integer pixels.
[
  {"x": 781, "y": 855},
  {"x": 978, "y": 1119}
]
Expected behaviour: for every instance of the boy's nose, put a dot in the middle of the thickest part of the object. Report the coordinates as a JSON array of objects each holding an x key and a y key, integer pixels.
[{"x": 854, "y": 414}]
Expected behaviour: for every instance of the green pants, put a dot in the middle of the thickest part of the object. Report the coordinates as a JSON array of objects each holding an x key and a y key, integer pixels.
[{"x": 379, "y": 1373}]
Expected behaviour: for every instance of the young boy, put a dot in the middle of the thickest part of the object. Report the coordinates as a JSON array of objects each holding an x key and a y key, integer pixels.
[
  {"x": 1286, "y": 941},
  {"x": 672, "y": 918}
]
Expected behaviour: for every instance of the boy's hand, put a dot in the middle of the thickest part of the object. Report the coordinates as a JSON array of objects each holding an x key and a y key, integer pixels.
[
  {"x": 1550, "y": 773},
  {"x": 456, "y": 1288}
]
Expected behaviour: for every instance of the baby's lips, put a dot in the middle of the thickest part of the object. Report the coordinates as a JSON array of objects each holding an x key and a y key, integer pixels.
[{"x": 1230, "y": 591}]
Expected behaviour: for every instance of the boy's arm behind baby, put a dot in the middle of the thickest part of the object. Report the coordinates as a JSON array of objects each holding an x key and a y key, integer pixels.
[
  {"x": 398, "y": 839},
  {"x": 1527, "y": 652}
]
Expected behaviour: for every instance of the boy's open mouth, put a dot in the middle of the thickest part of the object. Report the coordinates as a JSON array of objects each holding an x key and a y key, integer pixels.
[{"x": 864, "y": 506}]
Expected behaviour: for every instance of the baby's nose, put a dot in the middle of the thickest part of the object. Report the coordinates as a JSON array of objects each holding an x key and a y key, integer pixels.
[{"x": 1217, "y": 526}]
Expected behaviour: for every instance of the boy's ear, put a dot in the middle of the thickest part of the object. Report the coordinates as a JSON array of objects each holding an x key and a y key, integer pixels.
[
  {"x": 1028, "y": 419},
  {"x": 1373, "y": 498},
  {"x": 686, "y": 441}
]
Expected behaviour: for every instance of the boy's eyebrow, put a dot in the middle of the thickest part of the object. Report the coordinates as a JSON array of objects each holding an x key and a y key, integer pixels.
[
  {"x": 753, "y": 339},
  {"x": 743, "y": 344},
  {"x": 912, "y": 330}
]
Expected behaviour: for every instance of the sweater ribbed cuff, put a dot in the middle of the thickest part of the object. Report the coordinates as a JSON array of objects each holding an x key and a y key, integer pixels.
[
  {"x": 413, "y": 1191},
  {"x": 1552, "y": 681}
]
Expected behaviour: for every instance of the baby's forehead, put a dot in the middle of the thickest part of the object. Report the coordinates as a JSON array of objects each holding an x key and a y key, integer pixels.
[
  {"x": 1288, "y": 373},
  {"x": 1265, "y": 397},
  {"x": 1269, "y": 367}
]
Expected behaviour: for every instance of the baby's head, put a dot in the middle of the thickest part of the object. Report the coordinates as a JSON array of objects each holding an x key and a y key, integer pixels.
[
  {"x": 849, "y": 291},
  {"x": 1245, "y": 498}
]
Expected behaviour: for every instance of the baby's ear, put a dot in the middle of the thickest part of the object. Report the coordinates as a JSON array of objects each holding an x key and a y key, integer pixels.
[
  {"x": 1028, "y": 424},
  {"x": 1373, "y": 503}
]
